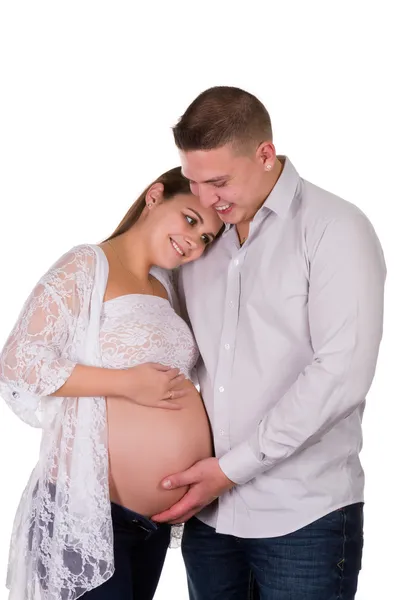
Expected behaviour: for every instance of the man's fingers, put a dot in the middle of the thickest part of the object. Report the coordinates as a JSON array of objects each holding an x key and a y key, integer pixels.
[
  {"x": 186, "y": 517},
  {"x": 182, "y": 479},
  {"x": 187, "y": 505}
]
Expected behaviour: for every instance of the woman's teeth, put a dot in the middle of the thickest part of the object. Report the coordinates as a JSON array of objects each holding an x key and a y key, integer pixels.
[{"x": 176, "y": 247}]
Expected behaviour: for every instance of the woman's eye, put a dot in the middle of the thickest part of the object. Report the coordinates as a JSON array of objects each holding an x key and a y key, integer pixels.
[
  {"x": 190, "y": 220},
  {"x": 205, "y": 239}
]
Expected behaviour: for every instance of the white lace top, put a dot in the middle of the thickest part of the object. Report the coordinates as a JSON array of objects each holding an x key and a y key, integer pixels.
[
  {"x": 136, "y": 328},
  {"x": 62, "y": 544}
]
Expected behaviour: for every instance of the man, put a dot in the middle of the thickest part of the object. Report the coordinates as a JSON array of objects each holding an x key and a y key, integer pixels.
[{"x": 286, "y": 308}]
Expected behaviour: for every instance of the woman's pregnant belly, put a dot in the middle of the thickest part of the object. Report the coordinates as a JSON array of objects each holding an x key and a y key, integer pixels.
[{"x": 147, "y": 444}]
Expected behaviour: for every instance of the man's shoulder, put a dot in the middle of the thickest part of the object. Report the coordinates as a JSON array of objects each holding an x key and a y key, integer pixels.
[
  {"x": 326, "y": 215},
  {"x": 320, "y": 205}
]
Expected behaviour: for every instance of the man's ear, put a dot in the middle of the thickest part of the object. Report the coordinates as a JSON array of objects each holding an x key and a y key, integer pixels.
[
  {"x": 154, "y": 195},
  {"x": 266, "y": 154}
]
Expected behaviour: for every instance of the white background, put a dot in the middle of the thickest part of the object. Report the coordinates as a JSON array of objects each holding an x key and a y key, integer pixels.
[{"x": 90, "y": 91}]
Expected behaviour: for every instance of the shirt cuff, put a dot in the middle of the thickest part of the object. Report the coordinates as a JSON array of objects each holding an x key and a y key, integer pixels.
[{"x": 240, "y": 464}]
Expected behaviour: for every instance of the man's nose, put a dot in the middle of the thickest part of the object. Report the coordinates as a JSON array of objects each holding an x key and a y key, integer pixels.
[{"x": 207, "y": 197}]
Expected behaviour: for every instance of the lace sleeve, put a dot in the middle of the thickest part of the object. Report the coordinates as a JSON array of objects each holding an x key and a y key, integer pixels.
[{"x": 38, "y": 356}]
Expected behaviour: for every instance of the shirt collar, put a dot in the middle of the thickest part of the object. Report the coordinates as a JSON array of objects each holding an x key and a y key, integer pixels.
[{"x": 284, "y": 191}]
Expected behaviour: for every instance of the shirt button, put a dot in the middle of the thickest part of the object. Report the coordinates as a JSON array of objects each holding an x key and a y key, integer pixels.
[
  {"x": 227, "y": 346},
  {"x": 236, "y": 262},
  {"x": 221, "y": 432},
  {"x": 231, "y": 304},
  {"x": 221, "y": 388}
]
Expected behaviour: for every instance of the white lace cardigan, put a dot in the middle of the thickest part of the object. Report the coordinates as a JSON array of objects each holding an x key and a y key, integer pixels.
[{"x": 62, "y": 543}]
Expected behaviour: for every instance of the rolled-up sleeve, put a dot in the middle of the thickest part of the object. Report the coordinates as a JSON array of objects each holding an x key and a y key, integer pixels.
[{"x": 345, "y": 306}]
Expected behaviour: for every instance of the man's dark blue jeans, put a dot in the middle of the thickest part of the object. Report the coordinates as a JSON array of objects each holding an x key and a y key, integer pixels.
[{"x": 318, "y": 562}]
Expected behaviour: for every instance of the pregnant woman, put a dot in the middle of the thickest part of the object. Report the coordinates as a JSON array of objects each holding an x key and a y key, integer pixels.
[{"x": 100, "y": 360}]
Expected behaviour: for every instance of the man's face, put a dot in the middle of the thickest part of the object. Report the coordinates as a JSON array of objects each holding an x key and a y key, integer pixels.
[{"x": 232, "y": 183}]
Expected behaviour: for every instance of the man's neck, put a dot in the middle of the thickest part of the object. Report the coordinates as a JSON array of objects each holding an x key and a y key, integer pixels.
[{"x": 242, "y": 228}]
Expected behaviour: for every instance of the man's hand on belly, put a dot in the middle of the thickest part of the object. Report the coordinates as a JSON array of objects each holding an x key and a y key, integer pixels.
[{"x": 206, "y": 482}]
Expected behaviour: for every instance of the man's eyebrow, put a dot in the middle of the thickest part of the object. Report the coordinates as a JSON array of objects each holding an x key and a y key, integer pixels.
[
  {"x": 198, "y": 215},
  {"x": 212, "y": 180},
  {"x": 216, "y": 179}
]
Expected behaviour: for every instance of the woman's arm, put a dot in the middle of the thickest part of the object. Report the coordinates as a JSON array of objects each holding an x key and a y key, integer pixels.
[
  {"x": 148, "y": 384},
  {"x": 36, "y": 359}
]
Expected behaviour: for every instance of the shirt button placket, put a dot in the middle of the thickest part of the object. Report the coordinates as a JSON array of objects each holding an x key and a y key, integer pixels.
[{"x": 225, "y": 359}]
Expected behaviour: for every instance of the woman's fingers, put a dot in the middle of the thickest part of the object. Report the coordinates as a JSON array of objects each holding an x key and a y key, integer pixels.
[
  {"x": 177, "y": 394},
  {"x": 176, "y": 382},
  {"x": 174, "y": 374},
  {"x": 168, "y": 405}
]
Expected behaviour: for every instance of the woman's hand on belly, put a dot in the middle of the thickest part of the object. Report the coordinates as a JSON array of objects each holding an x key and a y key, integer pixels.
[{"x": 153, "y": 385}]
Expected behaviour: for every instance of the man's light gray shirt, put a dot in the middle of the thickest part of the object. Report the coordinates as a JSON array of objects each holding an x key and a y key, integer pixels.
[{"x": 288, "y": 328}]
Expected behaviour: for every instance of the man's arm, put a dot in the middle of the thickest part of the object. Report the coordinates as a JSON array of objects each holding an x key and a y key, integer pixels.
[{"x": 347, "y": 276}]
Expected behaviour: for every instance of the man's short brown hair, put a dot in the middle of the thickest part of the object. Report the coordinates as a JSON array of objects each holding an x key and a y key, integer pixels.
[{"x": 223, "y": 115}]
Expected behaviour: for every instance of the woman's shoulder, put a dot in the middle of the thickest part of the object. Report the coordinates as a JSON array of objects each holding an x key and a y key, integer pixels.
[
  {"x": 78, "y": 262},
  {"x": 80, "y": 255},
  {"x": 83, "y": 251}
]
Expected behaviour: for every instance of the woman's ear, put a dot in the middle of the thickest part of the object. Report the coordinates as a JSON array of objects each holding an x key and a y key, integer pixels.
[{"x": 154, "y": 195}]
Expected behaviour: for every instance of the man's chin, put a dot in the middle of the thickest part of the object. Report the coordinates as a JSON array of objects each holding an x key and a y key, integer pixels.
[{"x": 229, "y": 218}]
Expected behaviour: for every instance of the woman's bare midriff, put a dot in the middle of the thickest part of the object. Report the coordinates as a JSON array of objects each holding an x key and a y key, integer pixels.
[{"x": 147, "y": 444}]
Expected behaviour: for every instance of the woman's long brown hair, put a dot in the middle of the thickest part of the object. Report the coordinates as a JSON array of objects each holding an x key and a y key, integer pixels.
[{"x": 174, "y": 184}]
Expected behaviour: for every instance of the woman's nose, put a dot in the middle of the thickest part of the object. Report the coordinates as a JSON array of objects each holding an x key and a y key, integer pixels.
[{"x": 191, "y": 243}]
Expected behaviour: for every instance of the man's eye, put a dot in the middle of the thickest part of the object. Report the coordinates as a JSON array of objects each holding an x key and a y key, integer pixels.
[
  {"x": 220, "y": 185},
  {"x": 190, "y": 220}
]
